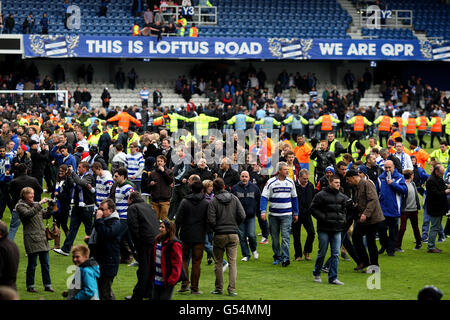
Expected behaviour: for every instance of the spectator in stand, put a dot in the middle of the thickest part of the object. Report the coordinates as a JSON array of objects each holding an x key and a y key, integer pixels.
[
  {"x": 86, "y": 98},
  {"x": 120, "y": 79},
  {"x": 44, "y": 23},
  {"x": 9, "y": 24},
  {"x": 132, "y": 77},
  {"x": 106, "y": 98},
  {"x": 28, "y": 24},
  {"x": 148, "y": 16},
  {"x": 104, "y": 8},
  {"x": 157, "y": 98},
  {"x": 144, "y": 93},
  {"x": 89, "y": 73}
]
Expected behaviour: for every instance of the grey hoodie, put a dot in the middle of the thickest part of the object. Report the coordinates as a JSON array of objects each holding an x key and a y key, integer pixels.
[{"x": 225, "y": 213}]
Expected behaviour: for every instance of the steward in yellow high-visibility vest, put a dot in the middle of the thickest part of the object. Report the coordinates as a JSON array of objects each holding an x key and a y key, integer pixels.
[
  {"x": 327, "y": 126},
  {"x": 172, "y": 122},
  {"x": 358, "y": 122},
  {"x": 136, "y": 31},
  {"x": 202, "y": 123},
  {"x": 193, "y": 31},
  {"x": 94, "y": 137},
  {"x": 134, "y": 138},
  {"x": 355, "y": 148}
]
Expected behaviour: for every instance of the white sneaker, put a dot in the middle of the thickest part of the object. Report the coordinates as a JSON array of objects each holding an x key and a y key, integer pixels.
[
  {"x": 336, "y": 281},
  {"x": 255, "y": 255},
  {"x": 245, "y": 259},
  {"x": 134, "y": 264},
  {"x": 317, "y": 279},
  {"x": 59, "y": 251},
  {"x": 225, "y": 267}
]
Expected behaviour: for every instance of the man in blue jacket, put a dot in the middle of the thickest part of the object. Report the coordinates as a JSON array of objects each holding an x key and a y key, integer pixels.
[
  {"x": 249, "y": 196},
  {"x": 63, "y": 156},
  {"x": 391, "y": 187}
]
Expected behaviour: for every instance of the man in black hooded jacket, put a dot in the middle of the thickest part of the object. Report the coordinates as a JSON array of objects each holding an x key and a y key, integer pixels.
[{"x": 144, "y": 227}]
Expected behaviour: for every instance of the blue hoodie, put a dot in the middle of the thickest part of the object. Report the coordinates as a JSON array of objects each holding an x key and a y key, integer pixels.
[
  {"x": 89, "y": 273},
  {"x": 391, "y": 195}
]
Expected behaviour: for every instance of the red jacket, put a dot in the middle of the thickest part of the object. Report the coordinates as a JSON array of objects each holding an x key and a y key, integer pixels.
[{"x": 170, "y": 276}]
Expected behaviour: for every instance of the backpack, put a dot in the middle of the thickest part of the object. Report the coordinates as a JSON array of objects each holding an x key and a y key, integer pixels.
[{"x": 168, "y": 253}]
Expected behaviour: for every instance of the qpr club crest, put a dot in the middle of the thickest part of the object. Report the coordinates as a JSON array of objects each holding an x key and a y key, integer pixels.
[
  {"x": 294, "y": 48},
  {"x": 52, "y": 46},
  {"x": 436, "y": 49}
]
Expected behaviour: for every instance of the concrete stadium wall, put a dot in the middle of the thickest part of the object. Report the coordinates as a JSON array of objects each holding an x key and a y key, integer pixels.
[{"x": 104, "y": 70}]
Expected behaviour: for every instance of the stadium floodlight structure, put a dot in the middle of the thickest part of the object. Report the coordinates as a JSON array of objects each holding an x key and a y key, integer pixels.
[{"x": 26, "y": 98}]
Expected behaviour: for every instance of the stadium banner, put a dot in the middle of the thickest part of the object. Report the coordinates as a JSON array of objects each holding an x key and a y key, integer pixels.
[{"x": 68, "y": 46}]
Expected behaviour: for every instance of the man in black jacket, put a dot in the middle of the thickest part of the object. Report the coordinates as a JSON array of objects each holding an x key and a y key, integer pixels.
[
  {"x": 83, "y": 209},
  {"x": 229, "y": 175},
  {"x": 436, "y": 204},
  {"x": 9, "y": 259},
  {"x": 107, "y": 246},
  {"x": 104, "y": 143},
  {"x": 225, "y": 214},
  {"x": 305, "y": 194},
  {"x": 324, "y": 158},
  {"x": 20, "y": 181},
  {"x": 329, "y": 208},
  {"x": 201, "y": 170},
  {"x": 191, "y": 219},
  {"x": 38, "y": 160},
  {"x": 144, "y": 227}
]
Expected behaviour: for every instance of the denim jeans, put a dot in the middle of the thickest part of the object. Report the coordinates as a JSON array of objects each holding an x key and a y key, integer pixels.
[
  {"x": 280, "y": 225},
  {"x": 79, "y": 215},
  {"x": 263, "y": 226},
  {"x": 209, "y": 247},
  {"x": 45, "y": 268},
  {"x": 436, "y": 223},
  {"x": 334, "y": 239},
  {"x": 14, "y": 225},
  {"x": 247, "y": 229},
  {"x": 426, "y": 224}
]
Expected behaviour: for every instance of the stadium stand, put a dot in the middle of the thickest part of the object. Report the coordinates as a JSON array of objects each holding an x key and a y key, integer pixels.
[
  {"x": 253, "y": 18},
  {"x": 402, "y": 34},
  {"x": 429, "y": 16}
]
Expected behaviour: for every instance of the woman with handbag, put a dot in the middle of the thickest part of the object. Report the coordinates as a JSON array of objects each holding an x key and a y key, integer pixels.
[
  {"x": 34, "y": 237},
  {"x": 63, "y": 195}
]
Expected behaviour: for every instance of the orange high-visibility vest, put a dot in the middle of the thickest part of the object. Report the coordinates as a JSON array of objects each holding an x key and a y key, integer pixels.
[
  {"x": 400, "y": 122},
  {"x": 411, "y": 127},
  {"x": 193, "y": 32},
  {"x": 437, "y": 127},
  {"x": 136, "y": 31},
  {"x": 385, "y": 124},
  {"x": 423, "y": 123},
  {"x": 326, "y": 123},
  {"x": 359, "y": 124}
]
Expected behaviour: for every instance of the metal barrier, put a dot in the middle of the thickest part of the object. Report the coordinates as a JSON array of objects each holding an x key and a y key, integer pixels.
[
  {"x": 200, "y": 15},
  {"x": 373, "y": 17}
]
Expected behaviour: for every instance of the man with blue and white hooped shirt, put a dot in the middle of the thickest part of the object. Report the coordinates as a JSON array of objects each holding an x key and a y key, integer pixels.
[
  {"x": 120, "y": 193},
  {"x": 281, "y": 196},
  {"x": 103, "y": 183},
  {"x": 134, "y": 162}
]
